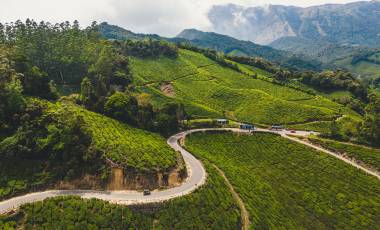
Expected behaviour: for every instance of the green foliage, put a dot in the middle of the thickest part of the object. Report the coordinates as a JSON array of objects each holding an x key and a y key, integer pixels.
[
  {"x": 370, "y": 129},
  {"x": 366, "y": 155},
  {"x": 11, "y": 98},
  {"x": 210, "y": 207},
  {"x": 205, "y": 87},
  {"x": 328, "y": 80},
  {"x": 288, "y": 185},
  {"x": 148, "y": 48},
  {"x": 63, "y": 51},
  {"x": 37, "y": 83},
  {"x": 122, "y": 107},
  {"x": 46, "y": 148},
  {"x": 121, "y": 143}
]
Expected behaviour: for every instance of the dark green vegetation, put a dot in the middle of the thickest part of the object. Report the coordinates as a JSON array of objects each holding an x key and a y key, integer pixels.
[
  {"x": 121, "y": 143},
  {"x": 46, "y": 148},
  {"x": 211, "y": 207},
  {"x": 366, "y": 155},
  {"x": 288, "y": 185}
]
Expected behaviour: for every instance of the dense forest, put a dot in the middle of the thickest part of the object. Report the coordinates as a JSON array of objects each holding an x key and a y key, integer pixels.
[{"x": 38, "y": 57}]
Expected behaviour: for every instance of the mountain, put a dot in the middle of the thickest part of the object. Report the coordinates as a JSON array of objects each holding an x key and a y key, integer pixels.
[
  {"x": 219, "y": 42},
  {"x": 337, "y": 35},
  {"x": 347, "y": 24},
  {"x": 118, "y": 33}
]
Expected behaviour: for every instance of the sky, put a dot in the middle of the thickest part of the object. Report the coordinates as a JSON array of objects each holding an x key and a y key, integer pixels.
[{"x": 163, "y": 17}]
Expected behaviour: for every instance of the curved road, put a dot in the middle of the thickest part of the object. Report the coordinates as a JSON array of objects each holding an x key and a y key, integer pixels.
[{"x": 195, "y": 169}]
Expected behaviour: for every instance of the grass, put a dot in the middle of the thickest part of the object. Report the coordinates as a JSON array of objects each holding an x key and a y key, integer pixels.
[
  {"x": 286, "y": 185},
  {"x": 369, "y": 156},
  {"x": 210, "y": 90},
  {"x": 121, "y": 143},
  {"x": 210, "y": 207}
]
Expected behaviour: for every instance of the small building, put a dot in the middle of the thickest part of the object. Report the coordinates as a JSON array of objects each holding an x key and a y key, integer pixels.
[
  {"x": 222, "y": 121},
  {"x": 247, "y": 127},
  {"x": 277, "y": 127}
]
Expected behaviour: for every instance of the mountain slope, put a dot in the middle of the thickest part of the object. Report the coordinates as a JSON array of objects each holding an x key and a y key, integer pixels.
[
  {"x": 354, "y": 23},
  {"x": 229, "y": 45}
]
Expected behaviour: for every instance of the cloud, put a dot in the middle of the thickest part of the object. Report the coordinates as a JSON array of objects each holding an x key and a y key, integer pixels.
[{"x": 164, "y": 17}]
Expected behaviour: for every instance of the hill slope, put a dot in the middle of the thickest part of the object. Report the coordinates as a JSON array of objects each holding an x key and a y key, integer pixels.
[
  {"x": 208, "y": 89},
  {"x": 65, "y": 146}
]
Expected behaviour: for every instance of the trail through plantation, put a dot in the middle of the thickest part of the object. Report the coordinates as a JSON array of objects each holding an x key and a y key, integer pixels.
[{"x": 239, "y": 201}]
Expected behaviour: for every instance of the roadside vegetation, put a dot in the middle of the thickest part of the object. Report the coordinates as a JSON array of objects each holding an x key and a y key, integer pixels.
[
  {"x": 366, "y": 155},
  {"x": 288, "y": 185},
  {"x": 210, "y": 207}
]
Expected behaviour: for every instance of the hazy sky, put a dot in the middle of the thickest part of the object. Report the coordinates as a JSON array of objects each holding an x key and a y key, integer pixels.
[{"x": 164, "y": 17}]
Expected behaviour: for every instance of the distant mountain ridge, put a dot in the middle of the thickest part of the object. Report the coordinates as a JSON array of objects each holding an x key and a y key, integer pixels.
[
  {"x": 221, "y": 43},
  {"x": 232, "y": 46},
  {"x": 355, "y": 23}
]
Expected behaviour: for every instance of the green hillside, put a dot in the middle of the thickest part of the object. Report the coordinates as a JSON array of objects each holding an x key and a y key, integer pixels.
[
  {"x": 286, "y": 185},
  {"x": 209, "y": 89},
  {"x": 121, "y": 143},
  {"x": 65, "y": 143}
]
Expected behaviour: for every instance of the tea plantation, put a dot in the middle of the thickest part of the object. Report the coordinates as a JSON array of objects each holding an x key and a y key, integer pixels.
[
  {"x": 211, "y": 207},
  {"x": 368, "y": 156},
  {"x": 121, "y": 143},
  {"x": 208, "y": 89},
  {"x": 286, "y": 185}
]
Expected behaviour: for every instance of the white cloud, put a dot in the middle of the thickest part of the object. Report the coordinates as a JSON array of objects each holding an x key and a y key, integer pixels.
[{"x": 165, "y": 17}]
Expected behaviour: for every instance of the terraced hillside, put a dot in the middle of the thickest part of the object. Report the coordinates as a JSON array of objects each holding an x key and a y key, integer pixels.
[
  {"x": 208, "y": 89},
  {"x": 287, "y": 185}
]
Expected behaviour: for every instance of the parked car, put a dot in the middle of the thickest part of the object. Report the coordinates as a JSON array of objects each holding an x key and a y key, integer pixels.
[
  {"x": 146, "y": 192},
  {"x": 293, "y": 131}
]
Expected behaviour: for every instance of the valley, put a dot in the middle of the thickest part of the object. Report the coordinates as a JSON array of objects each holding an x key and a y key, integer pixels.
[{"x": 105, "y": 128}]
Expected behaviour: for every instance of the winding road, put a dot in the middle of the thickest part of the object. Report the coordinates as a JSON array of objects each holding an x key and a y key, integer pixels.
[{"x": 196, "y": 177}]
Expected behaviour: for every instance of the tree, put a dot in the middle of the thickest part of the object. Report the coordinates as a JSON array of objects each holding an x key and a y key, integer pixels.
[
  {"x": 122, "y": 107},
  {"x": 334, "y": 130},
  {"x": 168, "y": 118},
  {"x": 87, "y": 92},
  {"x": 11, "y": 98},
  {"x": 370, "y": 128},
  {"x": 37, "y": 83}
]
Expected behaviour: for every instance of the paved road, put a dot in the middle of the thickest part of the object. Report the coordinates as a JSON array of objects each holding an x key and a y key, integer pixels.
[{"x": 196, "y": 177}]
